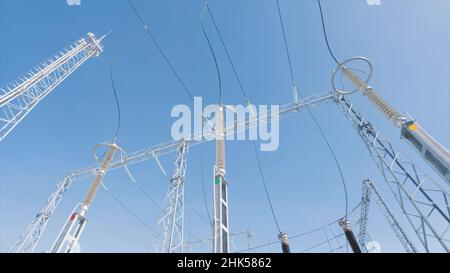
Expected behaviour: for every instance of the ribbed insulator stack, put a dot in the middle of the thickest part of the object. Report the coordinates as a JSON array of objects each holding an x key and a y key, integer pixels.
[
  {"x": 220, "y": 142},
  {"x": 382, "y": 105},
  {"x": 99, "y": 178}
]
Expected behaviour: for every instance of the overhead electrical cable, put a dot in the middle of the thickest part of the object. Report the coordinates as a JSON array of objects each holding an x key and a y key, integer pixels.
[
  {"x": 164, "y": 55},
  {"x": 268, "y": 198},
  {"x": 205, "y": 34},
  {"x": 325, "y": 139},
  {"x": 228, "y": 55},
  {"x": 303, "y": 233},
  {"x": 127, "y": 209},
  {"x": 265, "y": 187},
  {"x": 137, "y": 185},
  {"x": 325, "y": 33},
  {"x": 113, "y": 84}
]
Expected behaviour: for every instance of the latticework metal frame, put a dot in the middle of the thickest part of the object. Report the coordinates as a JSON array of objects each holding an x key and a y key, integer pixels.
[
  {"x": 422, "y": 200},
  {"x": 18, "y": 98}
]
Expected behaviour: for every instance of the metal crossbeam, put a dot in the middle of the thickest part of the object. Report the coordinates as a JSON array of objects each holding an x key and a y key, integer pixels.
[{"x": 37, "y": 226}]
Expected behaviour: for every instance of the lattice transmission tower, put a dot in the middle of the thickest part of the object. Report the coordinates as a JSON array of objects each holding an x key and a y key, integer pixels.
[{"x": 18, "y": 98}]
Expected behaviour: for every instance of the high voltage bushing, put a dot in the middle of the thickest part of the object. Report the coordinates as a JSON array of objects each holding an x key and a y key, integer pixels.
[
  {"x": 67, "y": 240},
  {"x": 220, "y": 190},
  {"x": 362, "y": 85},
  {"x": 429, "y": 149},
  {"x": 345, "y": 225},
  {"x": 283, "y": 237}
]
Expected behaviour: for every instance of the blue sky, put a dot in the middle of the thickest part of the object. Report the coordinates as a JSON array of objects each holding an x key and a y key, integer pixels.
[{"x": 407, "y": 41}]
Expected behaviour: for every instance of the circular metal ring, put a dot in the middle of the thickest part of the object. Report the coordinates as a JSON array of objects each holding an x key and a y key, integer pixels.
[
  {"x": 123, "y": 155},
  {"x": 342, "y": 64}
]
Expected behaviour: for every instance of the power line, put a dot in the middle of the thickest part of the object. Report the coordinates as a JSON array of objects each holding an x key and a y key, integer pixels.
[
  {"x": 113, "y": 85},
  {"x": 325, "y": 139},
  {"x": 322, "y": 243},
  {"x": 325, "y": 33},
  {"x": 228, "y": 55},
  {"x": 245, "y": 96},
  {"x": 147, "y": 29},
  {"x": 127, "y": 209},
  {"x": 212, "y": 52},
  {"x": 137, "y": 185},
  {"x": 285, "y": 41},
  {"x": 166, "y": 59},
  {"x": 265, "y": 188},
  {"x": 290, "y": 237}
]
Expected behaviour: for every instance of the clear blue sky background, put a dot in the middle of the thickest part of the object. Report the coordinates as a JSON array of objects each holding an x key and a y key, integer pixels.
[{"x": 407, "y": 41}]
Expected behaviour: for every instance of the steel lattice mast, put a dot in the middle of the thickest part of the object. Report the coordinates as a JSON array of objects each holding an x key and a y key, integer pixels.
[
  {"x": 169, "y": 238},
  {"x": 20, "y": 97},
  {"x": 27, "y": 241},
  {"x": 423, "y": 201},
  {"x": 368, "y": 188},
  {"x": 364, "y": 217}
]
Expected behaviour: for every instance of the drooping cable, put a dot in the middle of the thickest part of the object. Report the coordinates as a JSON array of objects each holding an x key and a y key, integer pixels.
[
  {"x": 268, "y": 198},
  {"x": 166, "y": 59},
  {"x": 113, "y": 84},
  {"x": 325, "y": 33},
  {"x": 325, "y": 139},
  {"x": 303, "y": 233},
  {"x": 265, "y": 187},
  {"x": 321, "y": 243},
  {"x": 127, "y": 209},
  {"x": 138, "y": 186},
  {"x": 290, "y": 237},
  {"x": 228, "y": 55},
  {"x": 163, "y": 54},
  {"x": 212, "y": 52},
  {"x": 285, "y": 41}
]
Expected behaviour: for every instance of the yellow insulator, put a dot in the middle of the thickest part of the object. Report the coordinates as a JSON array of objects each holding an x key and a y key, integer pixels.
[
  {"x": 220, "y": 142},
  {"x": 99, "y": 178},
  {"x": 382, "y": 105}
]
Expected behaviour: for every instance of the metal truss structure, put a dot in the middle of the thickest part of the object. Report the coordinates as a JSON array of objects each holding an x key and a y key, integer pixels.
[
  {"x": 169, "y": 236},
  {"x": 20, "y": 97},
  {"x": 234, "y": 237},
  {"x": 363, "y": 219},
  {"x": 368, "y": 188},
  {"x": 28, "y": 241},
  {"x": 423, "y": 201}
]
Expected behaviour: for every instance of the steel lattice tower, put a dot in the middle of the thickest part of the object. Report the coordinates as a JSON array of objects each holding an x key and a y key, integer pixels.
[
  {"x": 368, "y": 188},
  {"x": 17, "y": 99},
  {"x": 169, "y": 238},
  {"x": 423, "y": 201}
]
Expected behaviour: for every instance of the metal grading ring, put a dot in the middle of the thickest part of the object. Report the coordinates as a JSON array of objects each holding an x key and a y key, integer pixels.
[
  {"x": 123, "y": 155},
  {"x": 342, "y": 64}
]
